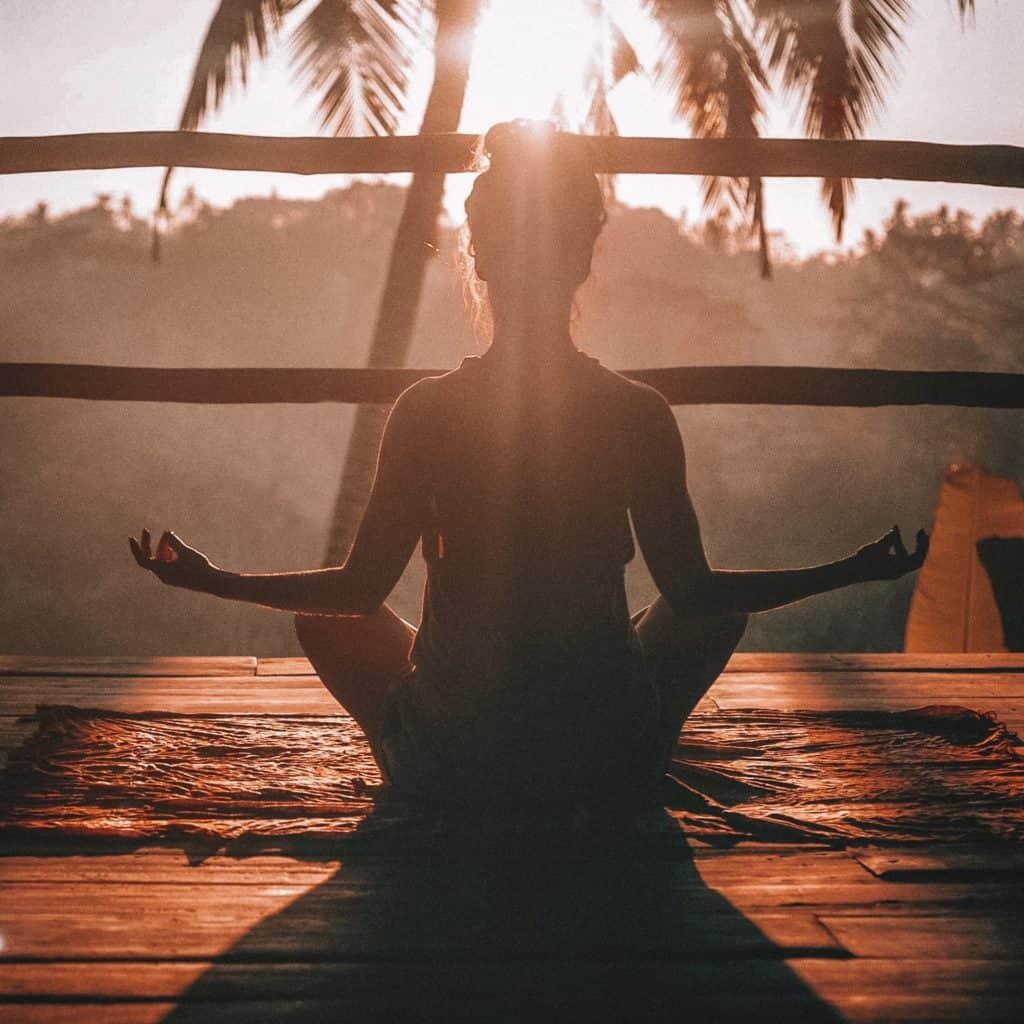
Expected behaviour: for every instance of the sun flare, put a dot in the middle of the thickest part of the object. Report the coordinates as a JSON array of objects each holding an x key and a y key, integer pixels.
[{"x": 530, "y": 61}]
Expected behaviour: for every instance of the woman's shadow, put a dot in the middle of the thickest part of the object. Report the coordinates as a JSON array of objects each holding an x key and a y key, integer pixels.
[{"x": 465, "y": 922}]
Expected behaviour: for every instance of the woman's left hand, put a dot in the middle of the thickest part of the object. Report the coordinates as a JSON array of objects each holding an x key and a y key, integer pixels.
[
  {"x": 887, "y": 558},
  {"x": 173, "y": 562}
]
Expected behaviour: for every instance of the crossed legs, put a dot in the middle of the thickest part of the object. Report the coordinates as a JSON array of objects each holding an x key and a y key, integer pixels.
[
  {"x": 686, "y": 656},
  {"x": 361, "y": 658}
]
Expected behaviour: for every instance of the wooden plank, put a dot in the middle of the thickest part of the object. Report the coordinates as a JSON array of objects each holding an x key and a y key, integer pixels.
[
  {"x": 39, "y": 861},
  {"x": 451, "y": 153},
  {"x": 159, "y": 684},
  {"x": 284, "y": 667},
  {"x": 841, "y": 685},
  {"x": 468, "y": 919},
  {"x": 19, "y": 695},
  {"x": 729, "y": 1006},
  {"x": 940, "y": 937},
  {"x": 101, "y": 665},
  {"x": 824, "y": 892},
  {"x": 756, "y": 661},
  {"x": 680, "y": 385},
  {"x": 823, "y": 691},
  {"x": 48, "y": 1012},
  {"x": 273, "y": 703},
  {"x": 936, "y": 863},
  {"x": 772, "y": 662},
  {"x": 746, "y": 662},
  {"x": 946, "y": 1009},
  {"x": 273, "y": 981},
  {"x": 895, "y": 898},
  {"x": 1002, "y": 694},
  {"x": 162, "y": 865}
]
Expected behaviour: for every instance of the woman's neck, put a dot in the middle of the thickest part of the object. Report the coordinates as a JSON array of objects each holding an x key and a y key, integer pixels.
[{"x": 534, "y": 331}]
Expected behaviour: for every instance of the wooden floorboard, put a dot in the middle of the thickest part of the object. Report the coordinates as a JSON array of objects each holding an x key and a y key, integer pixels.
[
  {"x": 169, "y": 979},
  {"x": 19, "y": 695},
  {"x": 934, "y": 863},
  {"x": 98, "y": 665},
  {"x": 747, "y": 661},
  {"x": 1002, "y": 692},
  {"x": 168, "y": 933}
]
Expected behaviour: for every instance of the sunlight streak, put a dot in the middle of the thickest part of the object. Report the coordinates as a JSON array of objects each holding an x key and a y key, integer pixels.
[{"x": 530, "y": 57}]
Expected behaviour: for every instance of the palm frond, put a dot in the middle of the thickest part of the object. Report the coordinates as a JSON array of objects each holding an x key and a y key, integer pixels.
[
  {"x": 238, "y": 30},
  {"x": 837, "y": 57},
  {"x": 712, "y": 66},
  {"x": 357, "y": 55},
  {"x": 610, "y": 61}
]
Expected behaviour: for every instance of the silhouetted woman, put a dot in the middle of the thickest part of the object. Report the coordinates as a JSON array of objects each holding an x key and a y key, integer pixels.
[{"x": 519, "y": 474}]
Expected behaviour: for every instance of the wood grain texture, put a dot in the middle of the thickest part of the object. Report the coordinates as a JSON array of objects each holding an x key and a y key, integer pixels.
[
  {"x": 288, "y": 922},
  {"x": 451, "y": 153},
  {"x": 760, "y": 931},
  {"x": 937, "y": 863},
  {"x": 680, "y": 385},
  {"x": 731, "y": 1005},
  {"x": 962, "y": 936},
  {"x": 19, "y": 695},
  {"x": 771, "y": 661},
  {"x": 274, "y": 981},
  {"x": 102, "y": 665}
]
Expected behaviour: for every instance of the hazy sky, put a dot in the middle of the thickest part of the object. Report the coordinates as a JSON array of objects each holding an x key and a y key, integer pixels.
[{"x": 115, "y": 66}]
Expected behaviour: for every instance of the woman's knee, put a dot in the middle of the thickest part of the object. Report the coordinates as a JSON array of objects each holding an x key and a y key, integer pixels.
[
  {"x": 311, "y": 628},
  {"x": 659, "y": 619},
  {"x": 378, "y": 643}
]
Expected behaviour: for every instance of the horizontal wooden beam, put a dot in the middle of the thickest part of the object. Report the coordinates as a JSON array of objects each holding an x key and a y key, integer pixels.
[
  {"x": 681, "y": 385},
  {"x": 768, "y": 158}
]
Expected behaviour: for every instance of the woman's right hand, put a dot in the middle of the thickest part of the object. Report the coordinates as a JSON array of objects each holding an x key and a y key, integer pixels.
[{"x": 173, "y": 562}]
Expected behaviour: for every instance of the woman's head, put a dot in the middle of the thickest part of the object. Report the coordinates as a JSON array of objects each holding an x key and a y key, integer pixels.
[{"x": 535, "y": 213}]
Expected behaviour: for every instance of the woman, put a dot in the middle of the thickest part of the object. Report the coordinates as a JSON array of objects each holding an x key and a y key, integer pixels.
[{"x": 519, "y": 473}]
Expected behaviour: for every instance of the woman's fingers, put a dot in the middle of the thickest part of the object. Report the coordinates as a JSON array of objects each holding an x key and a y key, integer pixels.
[
  {"x": 898, "y": 545},
  {"x": 168, "y": 548},
  {"x": 137, "y": 552}
]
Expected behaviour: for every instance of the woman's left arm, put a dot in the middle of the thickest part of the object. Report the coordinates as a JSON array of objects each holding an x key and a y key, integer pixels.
[
  {"x": 761, "y": 590},
  {"x": 385, "y": 541}
]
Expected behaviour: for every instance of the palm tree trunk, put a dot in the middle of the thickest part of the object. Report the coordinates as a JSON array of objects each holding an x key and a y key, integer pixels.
[{"x": 415, "y": 242}]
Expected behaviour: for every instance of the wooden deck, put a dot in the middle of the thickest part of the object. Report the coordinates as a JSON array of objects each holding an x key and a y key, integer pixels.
[{"x": 665, "y": 931}]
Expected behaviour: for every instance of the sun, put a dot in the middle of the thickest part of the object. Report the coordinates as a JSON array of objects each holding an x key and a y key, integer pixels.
[{"x": 530, "y": 59}]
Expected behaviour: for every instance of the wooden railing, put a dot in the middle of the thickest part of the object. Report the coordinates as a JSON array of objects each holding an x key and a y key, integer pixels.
[
  {"x": 739, "y": 385},
  {"x": 681, "y": 385},
  {"x": 765, "y": 158}
]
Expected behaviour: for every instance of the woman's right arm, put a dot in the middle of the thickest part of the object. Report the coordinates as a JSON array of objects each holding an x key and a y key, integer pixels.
[{"x": 669, "y": 535}]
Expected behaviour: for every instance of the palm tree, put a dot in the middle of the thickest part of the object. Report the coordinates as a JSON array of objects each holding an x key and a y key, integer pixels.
[
  {"x": 357, "y": 56},
  {"x": 719, "y": 60},
  {"x": 832, "y": 57}
]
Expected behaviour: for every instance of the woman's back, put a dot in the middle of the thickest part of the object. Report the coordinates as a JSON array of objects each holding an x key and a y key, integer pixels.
[{"x": 525, "y": 627}]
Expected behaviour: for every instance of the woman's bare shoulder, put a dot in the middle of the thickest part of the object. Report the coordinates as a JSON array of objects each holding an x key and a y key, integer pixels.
[{"x": 636, "y": 398}]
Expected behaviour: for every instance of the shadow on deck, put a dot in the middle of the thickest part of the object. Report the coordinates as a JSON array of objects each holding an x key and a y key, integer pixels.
[{"x": 463, "y": 923}]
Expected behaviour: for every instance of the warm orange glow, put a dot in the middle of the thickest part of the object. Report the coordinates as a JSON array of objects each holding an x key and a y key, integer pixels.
[{"x": 530, "y": 56}]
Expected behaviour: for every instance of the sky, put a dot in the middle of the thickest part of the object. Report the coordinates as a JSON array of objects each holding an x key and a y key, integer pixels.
[{"x": 125, "y": 67}]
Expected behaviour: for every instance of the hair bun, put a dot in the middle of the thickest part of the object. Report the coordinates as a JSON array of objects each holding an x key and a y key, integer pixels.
[{"x": 510, "y": 143}]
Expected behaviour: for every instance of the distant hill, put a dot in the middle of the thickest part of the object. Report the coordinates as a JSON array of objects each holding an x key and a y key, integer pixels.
[{"x": 274, "y": 282}]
